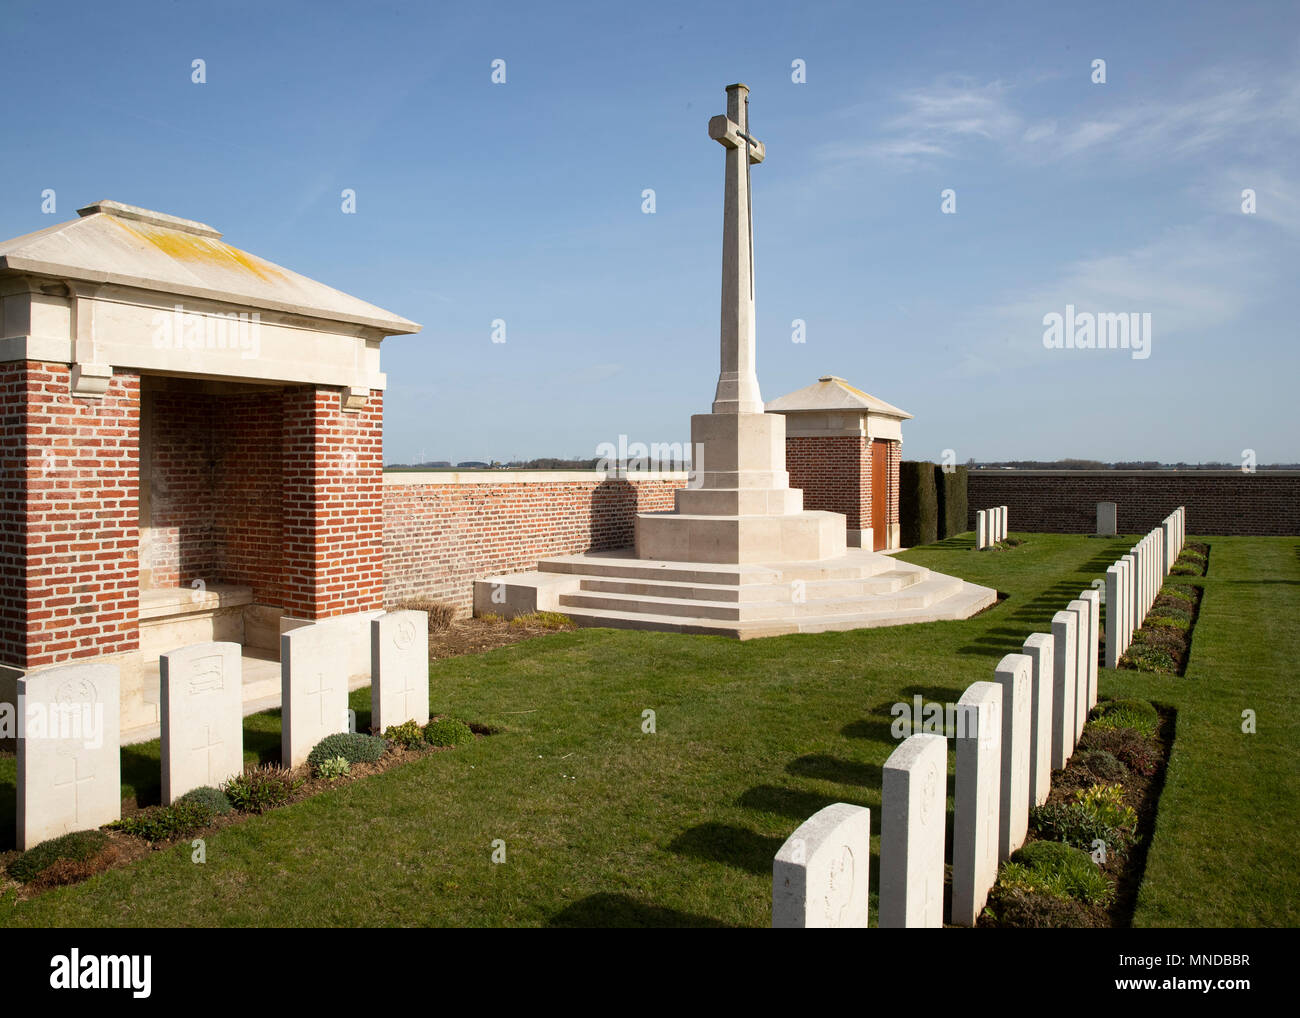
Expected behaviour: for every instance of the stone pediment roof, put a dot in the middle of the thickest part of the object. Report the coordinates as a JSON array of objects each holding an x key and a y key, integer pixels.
[
  {"x": 830, "y": 392},
  {"x": 129, "y": 246}
]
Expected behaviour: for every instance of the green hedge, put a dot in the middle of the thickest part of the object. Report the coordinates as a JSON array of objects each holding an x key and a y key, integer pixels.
[
  {"x": 950, "y": 487},
  {"x": 918, "y": 503}
]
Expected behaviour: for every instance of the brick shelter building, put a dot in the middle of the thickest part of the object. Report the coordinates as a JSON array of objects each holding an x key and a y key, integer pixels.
[
  {"x": 843, "y": 447},
  {"x": 191, "y": 446}
]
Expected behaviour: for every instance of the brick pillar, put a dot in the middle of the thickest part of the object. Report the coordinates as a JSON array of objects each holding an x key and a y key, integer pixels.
[
  {"x": 69, "y": 547},
  {"x": 891, "y": 506},
  {"x": 332, "y": 504}
]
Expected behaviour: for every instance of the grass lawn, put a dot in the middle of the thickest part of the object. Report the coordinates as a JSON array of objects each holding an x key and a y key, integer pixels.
[{"x": 606, "y": 825}]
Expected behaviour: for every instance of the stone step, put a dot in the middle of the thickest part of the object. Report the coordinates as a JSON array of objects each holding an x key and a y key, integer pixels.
[
  {"x": 917, "y": 595},
  {"x": 857, "y": 564},
  {"x": 961, "y": 604},
  {"x": 884, "y": 583}
]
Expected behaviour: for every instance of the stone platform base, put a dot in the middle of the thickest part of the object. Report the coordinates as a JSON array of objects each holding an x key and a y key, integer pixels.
[{"x": 858, "y": 589}]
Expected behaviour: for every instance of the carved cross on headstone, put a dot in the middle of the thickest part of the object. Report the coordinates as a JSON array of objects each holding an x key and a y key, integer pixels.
[
  {"x": 737, "y": 390},
  {"x": 319, "y": 692},
  {"x": 75, "y": 783},
  {"x": 207, "y": 746}
]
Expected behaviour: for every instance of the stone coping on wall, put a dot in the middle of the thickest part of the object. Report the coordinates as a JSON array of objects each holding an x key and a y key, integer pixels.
[{"x": 409, "y": 477}]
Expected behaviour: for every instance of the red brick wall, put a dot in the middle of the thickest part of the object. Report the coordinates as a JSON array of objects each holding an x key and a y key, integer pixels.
[
  {"x": 332, "y": 501},
  {"x": 439, "y": 538},
  {"x": 834, "y": 472},
  {"x": 215, "y": 489},
  {"x": 70, "y": 498},
  {"x": 1266, "y": 503}
]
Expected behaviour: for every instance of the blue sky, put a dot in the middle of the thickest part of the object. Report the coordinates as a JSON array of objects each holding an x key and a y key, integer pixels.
[{"x": 523, "y": 201}]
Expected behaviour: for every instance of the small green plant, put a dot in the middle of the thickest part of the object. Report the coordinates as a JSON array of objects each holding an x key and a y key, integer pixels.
[
  {"x": 1074, "y": 824},
  {"x": 1020, "y": 908},
  {"x": 1186, "y": 569},
  {"x": 334, "y": 768},
  {"x": 354, "y": 747},
  {"x": 408, "y": 734},
  {"x": 1059, "y": 869},
  {"x": 1106, "y": 804},
  {"x": 1177, "y": 593},
  {"x": 79, "y": 846},
  {"x": 205, "y": 795},
  {"x": 448, "y": 732},
  {"x": 165, "y": 823},
  {"x": 1136, "y": 714},
  {"x": 263, "y": 788}
]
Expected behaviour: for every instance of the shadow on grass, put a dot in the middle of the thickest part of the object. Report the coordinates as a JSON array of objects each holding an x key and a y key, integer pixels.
[
  {"x": 832, "y": 768},
  {"x": 606, "y": 911},
  {"x": 873, "y": 729},
  {"x": 787, "y": 802},
  {"x": 730, "y": 845}
]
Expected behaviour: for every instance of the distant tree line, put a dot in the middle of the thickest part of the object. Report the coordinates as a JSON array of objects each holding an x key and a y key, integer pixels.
[{"x": 1076, "y": 464}]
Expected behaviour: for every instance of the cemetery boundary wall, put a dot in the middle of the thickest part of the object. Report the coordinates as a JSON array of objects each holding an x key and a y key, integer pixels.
[
  {"x": 1228, "y": 502},
  {"x": 444, "y": 530}
]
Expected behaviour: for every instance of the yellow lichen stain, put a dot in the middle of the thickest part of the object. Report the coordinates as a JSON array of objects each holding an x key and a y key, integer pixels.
[{"x": 191, "y": 247}]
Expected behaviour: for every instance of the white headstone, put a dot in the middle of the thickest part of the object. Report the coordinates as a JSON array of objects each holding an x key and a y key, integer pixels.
[
  {"x": 1127, "y": 564},
  {"x": 1093, "y": 597},
  {"x": 1107, "y": 519},
  {"x": 69, "y": 751},
  {"x": 977, "y": 796},
  {"x": 981, "y": 530},
  {"x": 1038, "y": 647},
  {"x": 314, "y": 663},
  {"x": 201, "y": 708},
  {"x": 1065, "y": 658},
  {"x": 1014, "y": 674},
  {"x": 821, "y": 875},
  {"x": 913, "y": 807},
  {"x": 1002, "y": 518},
  {"x": 399, "y": 668},
  {"x": 1114, "y": 612},
  {"x": 1082, "y": 641}
]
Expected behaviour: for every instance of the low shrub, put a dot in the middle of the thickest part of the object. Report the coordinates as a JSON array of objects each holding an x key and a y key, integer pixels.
[
  {"x": 408, "y": 734},
  {"x": 1165, "y": 619},
  {"x": 1037, "y": 910},
  {"x": 1185, "y": 569},
  {"x": 1060, "y": 869},
  {"x": 1103, "y": 765},
  {"x": 1145, "y": 658},
  {"x": 263, "y": 788},
  {"x": 334, "y": 768},
  {"x": 77, "y": 847},
  {"x": 1191, "y": 555},
  {"x": 205, "y": 795},
  {"x": 1137, "y": 714},
  {"x": 1176, "y": 593},
  {"x": 441, "y": 613},
  {"x": 1134, "y": 750},
  {"x": 165, "y": 823},
  {"x": 354, "y": 747},
  {"x": 546, "y": 620},
  {"x": 448, "y": 732}
]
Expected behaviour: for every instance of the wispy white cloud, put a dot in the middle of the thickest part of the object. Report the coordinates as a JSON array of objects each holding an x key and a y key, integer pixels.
[{"x": 954, "y": 116}]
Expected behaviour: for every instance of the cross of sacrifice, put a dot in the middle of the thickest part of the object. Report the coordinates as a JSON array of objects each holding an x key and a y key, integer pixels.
[{"x": 737, "y": 390}]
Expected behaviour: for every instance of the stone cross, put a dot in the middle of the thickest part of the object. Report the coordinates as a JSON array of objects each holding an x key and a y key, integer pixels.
[{"x": 737, "y": 391}]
